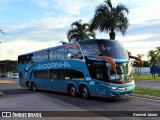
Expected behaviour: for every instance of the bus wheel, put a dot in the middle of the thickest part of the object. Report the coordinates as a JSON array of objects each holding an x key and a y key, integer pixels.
[
  {"x": 33, "y": 86},
  {"x": 27, "y": 85},
  {"x": 73, "y": 91},
  {"x": 85, "y": 92}
]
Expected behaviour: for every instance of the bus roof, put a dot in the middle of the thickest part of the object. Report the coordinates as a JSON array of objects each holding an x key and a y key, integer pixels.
[
  {"x": 65, "y": 45},
  {"x": 50, "y": 48}
]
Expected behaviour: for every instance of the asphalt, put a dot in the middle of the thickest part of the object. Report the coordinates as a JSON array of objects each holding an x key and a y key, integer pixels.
[{"x": 147, "y": 84}]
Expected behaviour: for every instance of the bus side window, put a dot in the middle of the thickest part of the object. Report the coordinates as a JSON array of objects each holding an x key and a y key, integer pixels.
[
  {"x": 52, "y": 55},
  {"x": 73, "y": 74},
  {"x": 41, "y": 74},
  {"x": 74, "y": 53},
  {"x": 57, "y": 74},
  {"x": 60, "y": 53},
  {"x": 53, "y": 74},
  {"x": 40, "y": 57}
]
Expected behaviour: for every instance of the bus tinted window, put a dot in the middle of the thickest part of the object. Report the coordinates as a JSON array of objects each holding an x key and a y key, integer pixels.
[
  {"x": 74, "y": 75},
  {"x": 25, "y": 58},
  {"x": 60, "y": 53},
  {"x": 74, "y": 52},
  {"x": 66, "y": 74},
  {"x": 90, "y": 48},
  {"x": 40, "y": 57},
  {"x": 114, "y": 49},
  {"x": 52, "y": 55},
  {"x": 41, "y": 74},
  {"x": 57, "y": 74}
]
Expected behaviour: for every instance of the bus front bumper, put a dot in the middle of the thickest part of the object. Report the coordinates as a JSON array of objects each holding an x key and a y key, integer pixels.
[{"x": 118, "y": 93}]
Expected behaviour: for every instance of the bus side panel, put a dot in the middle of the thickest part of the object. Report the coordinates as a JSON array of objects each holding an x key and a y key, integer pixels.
[{"x": 21, "y": 69}]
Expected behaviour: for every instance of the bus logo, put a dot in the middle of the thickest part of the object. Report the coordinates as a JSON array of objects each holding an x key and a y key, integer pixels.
[{"x": 54, "y": 65}]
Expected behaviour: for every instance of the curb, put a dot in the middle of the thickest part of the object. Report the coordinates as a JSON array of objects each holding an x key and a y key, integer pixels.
[{"x": 146, "y": 96}]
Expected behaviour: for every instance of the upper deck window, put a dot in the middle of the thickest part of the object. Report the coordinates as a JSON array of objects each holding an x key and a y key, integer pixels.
[
  {"x": 111, "y": 48},
  {"x": 24, "y": 59},
  {"x": 74, "y": 53},
  {"x": 40, "y": 57},
  {"x": 90, "y": 48},
  {"x": 60, "y": 53}
]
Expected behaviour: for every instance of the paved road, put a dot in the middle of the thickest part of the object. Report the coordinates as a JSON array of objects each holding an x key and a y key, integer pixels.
[
  {"x": 19, "y": 99},
  {"x": 147, "y": 83}
]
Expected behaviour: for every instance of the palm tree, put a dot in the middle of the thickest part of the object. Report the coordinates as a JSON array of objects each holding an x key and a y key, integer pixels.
[
  {"x": 158, "y": 58},
  {"x": 157, "y": 51},
  {"x": 110, "y": 19},
  {"x": 63, "y": 42},
  {"x": 152, "y": 56},
  {"x": 79, "y": 31}
]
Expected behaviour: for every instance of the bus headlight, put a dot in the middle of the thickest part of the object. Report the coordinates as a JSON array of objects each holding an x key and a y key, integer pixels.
[{"x": 113, "y": 88}]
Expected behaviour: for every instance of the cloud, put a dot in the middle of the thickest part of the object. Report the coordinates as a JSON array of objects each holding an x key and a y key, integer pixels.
[
  {"x": 4, "y": 4},
  {"x": 12, "y": 49},
  {"x": 46, "y": 29},
  {"x": 52, "y": 24},
  {"x": 65, "y": 6},
  {"x": 42, "y": 3}
]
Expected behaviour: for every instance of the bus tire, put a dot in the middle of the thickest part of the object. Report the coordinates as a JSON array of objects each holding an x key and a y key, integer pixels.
[
  {"x": 85, "y": 92},
  {"x": 27, "y": 85},
  {"x": 72, "y": 91},
  {"x": 33, "y": 86}
]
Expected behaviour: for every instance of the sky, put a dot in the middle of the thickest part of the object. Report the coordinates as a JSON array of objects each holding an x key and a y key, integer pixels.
[{"x": 31, "y": 25}]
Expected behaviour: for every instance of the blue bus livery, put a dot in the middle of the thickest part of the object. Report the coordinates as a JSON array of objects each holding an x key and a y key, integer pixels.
[{"x": 95, "y": 67}]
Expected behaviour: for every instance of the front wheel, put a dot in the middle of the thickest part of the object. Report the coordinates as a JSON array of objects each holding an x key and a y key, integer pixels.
[
  {"x": 85, "y": 92},
  {"x": 73, "y": 91}
]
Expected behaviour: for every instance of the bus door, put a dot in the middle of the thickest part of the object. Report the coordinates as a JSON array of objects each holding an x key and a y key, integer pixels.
[{"x": 100, "y": 71}]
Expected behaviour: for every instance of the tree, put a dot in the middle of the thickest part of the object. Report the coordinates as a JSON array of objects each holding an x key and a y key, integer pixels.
[
  {"x": 63, "y": 42},
  {"x": 152, "y": 56},
  {"x": 8, "y": 66},
  {"x": 110, "y": 19},
  {"x": 139, "y": 69},
  {"x": 79, "y": 31},
  {"x": 157, "y": 52},
  {"x": 153, "y": 59}
]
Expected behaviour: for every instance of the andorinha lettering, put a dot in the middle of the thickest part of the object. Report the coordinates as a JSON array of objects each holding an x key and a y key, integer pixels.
[{"x": 54, "y": 65}]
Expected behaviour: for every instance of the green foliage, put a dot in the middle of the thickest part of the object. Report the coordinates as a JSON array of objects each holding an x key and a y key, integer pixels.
[
  {"x": 110, "y": 19},
  {"x": 79, "y": 31},
  {"x": 8, "y": 66},
  {"x": 147, "y": 91},
  {"x": 154, "y": 56}
]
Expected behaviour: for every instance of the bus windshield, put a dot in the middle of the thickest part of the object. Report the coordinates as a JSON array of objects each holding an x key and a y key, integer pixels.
[{"x": 111, "y": 48}]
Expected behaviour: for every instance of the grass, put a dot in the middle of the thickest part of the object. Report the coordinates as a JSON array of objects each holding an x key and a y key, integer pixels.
[
  {"x": 147, "y": 91},
  {"x": 146, "y": 77}
]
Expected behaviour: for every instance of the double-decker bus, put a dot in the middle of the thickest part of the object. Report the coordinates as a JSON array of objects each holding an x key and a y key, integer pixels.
[{"x": 94, "y": 67}]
